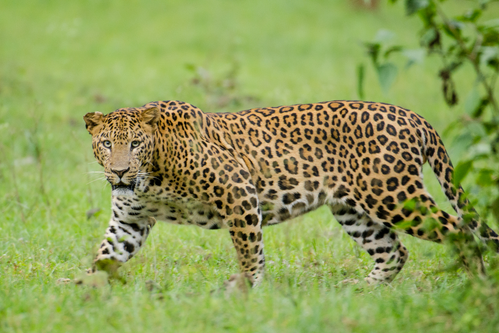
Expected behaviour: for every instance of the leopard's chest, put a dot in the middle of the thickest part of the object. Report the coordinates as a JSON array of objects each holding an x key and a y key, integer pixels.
[{"x": 170, "y": 207}]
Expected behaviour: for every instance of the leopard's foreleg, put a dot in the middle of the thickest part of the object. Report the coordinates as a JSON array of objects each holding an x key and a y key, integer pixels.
[{"x": 121, "y": 242}]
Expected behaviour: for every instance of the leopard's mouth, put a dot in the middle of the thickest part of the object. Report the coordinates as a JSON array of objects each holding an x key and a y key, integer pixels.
[{"x": 123, "y": 189}]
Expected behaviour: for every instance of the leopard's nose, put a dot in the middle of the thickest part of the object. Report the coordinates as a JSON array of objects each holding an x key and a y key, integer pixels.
[{"x": 120, "y": 173}]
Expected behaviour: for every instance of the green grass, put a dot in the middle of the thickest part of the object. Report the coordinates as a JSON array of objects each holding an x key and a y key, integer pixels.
[{"x": 62, "y": 59}]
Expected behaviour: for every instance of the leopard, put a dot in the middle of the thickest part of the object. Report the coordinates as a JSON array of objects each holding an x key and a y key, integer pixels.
[{"x": 169, "y": 161}]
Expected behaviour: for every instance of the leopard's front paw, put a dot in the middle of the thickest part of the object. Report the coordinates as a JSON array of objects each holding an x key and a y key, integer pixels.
[
  {"x": 239, "y": 282},
  {"x": 110, "y": 266}
]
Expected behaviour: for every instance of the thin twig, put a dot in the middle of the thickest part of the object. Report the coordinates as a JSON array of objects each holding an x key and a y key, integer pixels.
[
  {"x": 16, "y": 189},
  {"x": 34, "y": 138}
]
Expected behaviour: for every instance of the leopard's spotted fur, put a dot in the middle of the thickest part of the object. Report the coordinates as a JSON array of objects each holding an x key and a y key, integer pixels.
[{"x": 170, "y": 161}]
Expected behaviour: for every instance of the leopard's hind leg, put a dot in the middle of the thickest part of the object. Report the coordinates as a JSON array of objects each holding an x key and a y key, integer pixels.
[
  {"x": 379, "y": 241},
  {"x": 418, "y": 215}
]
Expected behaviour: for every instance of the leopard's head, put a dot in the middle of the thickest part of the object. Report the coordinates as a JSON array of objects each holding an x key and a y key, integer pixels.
[{"x": 123, "y": 143}]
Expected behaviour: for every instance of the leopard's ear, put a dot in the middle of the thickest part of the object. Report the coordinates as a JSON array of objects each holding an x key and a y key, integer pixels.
[
  {"x": 92, "y": 121},
  {"x": 150, "y": 116}
]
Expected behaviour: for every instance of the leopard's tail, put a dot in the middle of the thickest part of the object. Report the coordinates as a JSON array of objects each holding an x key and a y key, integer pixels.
[{"x": 440, "y": 162}]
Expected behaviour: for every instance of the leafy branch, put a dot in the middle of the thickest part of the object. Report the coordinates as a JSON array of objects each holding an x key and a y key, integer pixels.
[{"x": 458, "y": 41}]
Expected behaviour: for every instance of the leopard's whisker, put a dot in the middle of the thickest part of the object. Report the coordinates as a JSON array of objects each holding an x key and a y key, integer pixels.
[{"x": 98, "y": 179}]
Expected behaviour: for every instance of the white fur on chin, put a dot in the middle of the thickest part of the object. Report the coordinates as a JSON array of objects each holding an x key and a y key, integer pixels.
[{"x": 125, "y": 192}]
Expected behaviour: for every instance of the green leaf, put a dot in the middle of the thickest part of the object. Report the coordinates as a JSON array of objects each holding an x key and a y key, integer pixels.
[
  {"x": 470, "y": 15},
  {"x": 491, "y": 127},
  {"x": 386, "y": 76},
  {"x": 485, "y": 177},
  {"x": 384, "y": 36},
  {"x": 477, "y": 130},
  {"x": 410, "y": 205},
  {"x": 472, "y": 101},
  {"x": 481, "y": 151},
  {"x": 495, "y": 209},
  {"x": 455, "y": 65},
  {"x": 484, "y": 3},
  {"x": 412, "y": 6},
  {"x": 461, "y": 143},
  {"x": 404, "y": 225},
  {"x": 454, "y": 126},
  {"x": 360, "y": 81},
  {"x": 488, "y": 53},
  {"x": 461, "y": 170},
  {"x": 490, "y": 37},
  {"x": 414, "y": 56},
  {"x": 373, "y": 51},
  {"x": 453, "y": 29},
  {"x": 428, "y": 15},
  {"x": 491, "y": 23},
  {"x": 396, "y": 48},
  {"x": 430, "y": 224},
  {"x": 430, "y": 38}
]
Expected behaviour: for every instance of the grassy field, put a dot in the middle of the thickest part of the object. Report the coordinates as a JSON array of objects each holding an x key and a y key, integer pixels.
[{"x": 62, "y": 59}]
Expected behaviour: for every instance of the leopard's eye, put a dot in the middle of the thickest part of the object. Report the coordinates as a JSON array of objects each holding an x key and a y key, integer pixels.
[
  {"x": 135, "y": 144},
  {"x": 107, "y": 144}
]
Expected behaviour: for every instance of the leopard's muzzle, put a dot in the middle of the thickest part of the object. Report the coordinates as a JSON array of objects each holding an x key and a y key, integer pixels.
[{"x": 123, "y": 189}]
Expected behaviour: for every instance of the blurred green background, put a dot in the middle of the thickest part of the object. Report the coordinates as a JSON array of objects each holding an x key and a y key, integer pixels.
[{"x": 62, "y": 59}]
